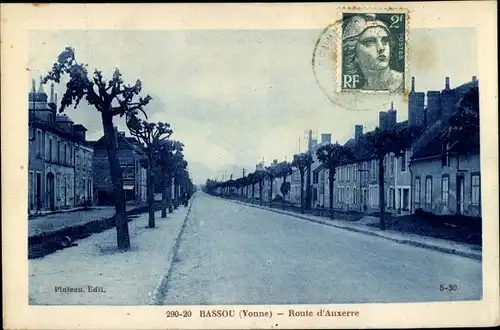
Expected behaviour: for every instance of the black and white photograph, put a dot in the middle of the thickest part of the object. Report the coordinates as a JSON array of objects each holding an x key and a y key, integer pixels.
[{"x": 204, "y": 172}]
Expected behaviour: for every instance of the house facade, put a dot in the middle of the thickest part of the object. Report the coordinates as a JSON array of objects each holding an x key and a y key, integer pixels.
[
  {"x": 446, "y": 178},
  {"x": 133, "y": 163},
  {"x": 56, "y": 180},
  {"x": 430, "y": 175}
]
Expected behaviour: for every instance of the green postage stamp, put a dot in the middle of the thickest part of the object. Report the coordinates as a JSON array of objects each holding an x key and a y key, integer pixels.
[{"x": 373, "y": 51}]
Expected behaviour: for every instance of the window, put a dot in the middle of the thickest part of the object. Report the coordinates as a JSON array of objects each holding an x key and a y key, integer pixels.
[
  {"x": 403, "y": 162},
  {"x": 315, "y": 177},
  {"x": 39, "y": 145},
  {"x": 50, "y": 149},
  {"x": 406, "y": 198},
  {"x": 428, "y": 190},
  {"x": 348, "y": 196},
  {"x": 58, "y": 151},
  {"x": 417, "y": 190},
  {"x": 58, "y": 186},
  {"x": 356, "y": 172},
  {"x": 373, "y": 196},
  {"x": 475, "y": 189},
  {"x": 63, "y": 157},
  {"x": 354, "y": 197},
  {"x": 445, "y": 184},
  {"x": 67, "y": 156},
  {"x": 391, "y": 163}
]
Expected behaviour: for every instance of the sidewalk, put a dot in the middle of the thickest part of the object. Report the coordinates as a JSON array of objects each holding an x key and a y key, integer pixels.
[
  {"x": 57, "y": 221},
  {"x": 118, "y": 278},
  {"x": 464, "y": 250}
]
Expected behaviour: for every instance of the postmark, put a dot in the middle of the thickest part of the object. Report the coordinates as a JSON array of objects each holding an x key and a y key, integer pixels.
[{"x": 364, "y": 51}]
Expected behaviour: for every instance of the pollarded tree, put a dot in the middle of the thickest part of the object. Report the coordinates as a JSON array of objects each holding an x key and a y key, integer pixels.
[
  {"x": 382, "y": 143},
  {"x": 302, "y": 162},
  {"x": 179, "y": 166},
  {"x": 260, "y": 176},
  {"x": 332, "y": 156},
  {"x": 284, "y": 170},
  {"x": 271, "y": 173},
  {"x": 251, "y": 180},
  {"x": 110, "y": 98},
  {"x": 151, "y": 134},
  {"x": 168, "y": 155}
]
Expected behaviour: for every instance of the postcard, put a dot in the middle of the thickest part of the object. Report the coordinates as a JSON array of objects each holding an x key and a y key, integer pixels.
[{"x": 191, "y": 166}]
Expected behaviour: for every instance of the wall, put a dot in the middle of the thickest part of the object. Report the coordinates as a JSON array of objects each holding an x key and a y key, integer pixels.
[{"x": 433, "y": 168}]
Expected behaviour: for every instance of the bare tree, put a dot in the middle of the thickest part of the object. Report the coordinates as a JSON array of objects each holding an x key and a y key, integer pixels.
[
  {"x": 111, "y": 98},
  {"x": 302, "y": 162},
  {"x": 332, "y": 156},
  {"x": 151, "y": 134}
]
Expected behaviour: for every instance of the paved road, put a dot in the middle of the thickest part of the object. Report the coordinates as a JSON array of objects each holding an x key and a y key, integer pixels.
[{"x": 235, "y": 254}]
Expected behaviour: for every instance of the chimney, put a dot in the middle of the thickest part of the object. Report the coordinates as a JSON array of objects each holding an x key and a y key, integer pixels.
[
  {"x": 392, "y": 116},
  {"x": 51, "y": 93},
  {"x": 40, "y": 88},
  {"x": 433, "y": 107},
  {"x": 358, "y": 132},
  {"x": 55, "y": 98},
  {"x": 33, "y": 83},
  {"x": 314, "y": 143},
  {"x": 447, "y": 83},
  {"x": 383, "y": 120},
  {"x": 474, "y": 79},
  {"x": 326, "y": 138},
  {"x": 416, "y": 111}
]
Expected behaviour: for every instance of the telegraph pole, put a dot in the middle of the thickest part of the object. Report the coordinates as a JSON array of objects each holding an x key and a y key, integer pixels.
[{"x": 308, "y": 186}]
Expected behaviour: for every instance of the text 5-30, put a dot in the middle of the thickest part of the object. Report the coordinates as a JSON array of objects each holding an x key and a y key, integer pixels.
[{"x": 448, "y": 287}]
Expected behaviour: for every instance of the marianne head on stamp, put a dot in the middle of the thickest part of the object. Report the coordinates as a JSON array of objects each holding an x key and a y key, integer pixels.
[{"x": 367, "y": 55}]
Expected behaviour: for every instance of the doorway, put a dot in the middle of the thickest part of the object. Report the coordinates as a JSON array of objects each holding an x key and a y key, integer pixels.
[
  {"x": 38, "y": 192},
  {"x": 50, "y": 191},
  {"x": 460, "y": 195}
]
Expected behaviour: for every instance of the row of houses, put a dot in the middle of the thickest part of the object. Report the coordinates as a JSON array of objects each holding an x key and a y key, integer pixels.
[
  {"x": 430, "y": 175},
  {"x": 65, "y": 170}
]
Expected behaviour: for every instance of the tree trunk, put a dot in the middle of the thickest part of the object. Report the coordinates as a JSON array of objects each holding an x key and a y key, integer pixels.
[
  {"x": 122, "y": 235},
  {"x": 381, "y": 192},
  {"x": 166, "y": 187},
  {"x": 283, "y": 200},
  {"x": 260, "y": 192},
  {"x": 330, "y": 187},
  {"x": 176, "y": 193},
  {"x": 169, "y": 196},
  {"x": 302, "y": 192},
  {"x": 151, "y": 220},
  {"x": 253, "y": 192},
  {"x": 271, "y": 193}
]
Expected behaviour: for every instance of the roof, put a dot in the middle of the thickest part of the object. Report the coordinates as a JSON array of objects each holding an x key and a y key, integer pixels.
[
  {"x": 319, "y": 168},
  {"x": 57, "y": 130},
  {"x": 80, "y": 127},
  {"x": 430, "y": 142},
  {"x": 127, "y": 142}
]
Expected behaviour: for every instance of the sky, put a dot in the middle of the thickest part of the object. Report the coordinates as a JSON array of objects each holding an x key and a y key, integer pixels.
[{"x": 236, "y": 97}]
